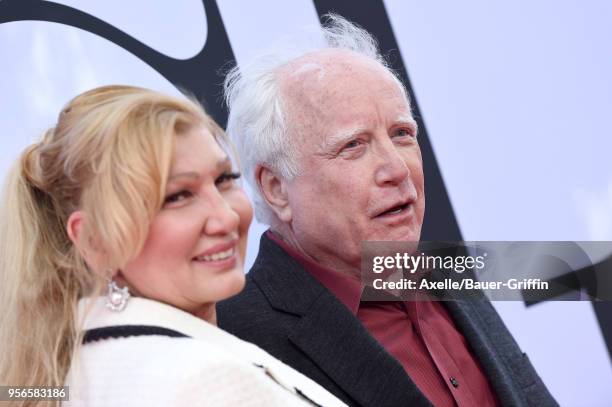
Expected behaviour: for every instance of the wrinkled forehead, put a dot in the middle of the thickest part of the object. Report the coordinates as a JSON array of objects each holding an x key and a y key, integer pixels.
[
  {"x": 320, "y": 69},
  {"x": 321, "y": 86},
  {"x": 329, "y": 59}
]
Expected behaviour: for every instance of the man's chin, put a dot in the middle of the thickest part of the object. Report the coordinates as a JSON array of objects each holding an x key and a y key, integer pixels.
[{"x": 397, "y": 234}]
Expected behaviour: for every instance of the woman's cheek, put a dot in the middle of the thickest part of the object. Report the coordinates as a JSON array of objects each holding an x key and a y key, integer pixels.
[
  {"x": 241, "y": 204},
  {"x": 243, "y": 207}
]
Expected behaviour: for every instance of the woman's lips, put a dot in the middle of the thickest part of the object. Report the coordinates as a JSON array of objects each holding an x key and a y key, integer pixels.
[{"x": 221, "y": 256}]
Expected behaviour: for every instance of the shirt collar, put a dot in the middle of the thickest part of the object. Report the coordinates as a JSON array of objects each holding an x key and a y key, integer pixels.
[{"x": 345, "y": 288}]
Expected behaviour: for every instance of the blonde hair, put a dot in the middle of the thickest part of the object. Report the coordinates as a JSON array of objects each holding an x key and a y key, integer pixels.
[{"x": 108, "y": 156}]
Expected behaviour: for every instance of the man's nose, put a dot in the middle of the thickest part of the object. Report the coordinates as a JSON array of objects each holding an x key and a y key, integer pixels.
[
  {"x": 391, "y": 167},
  {"x": 222, "y": 219}
]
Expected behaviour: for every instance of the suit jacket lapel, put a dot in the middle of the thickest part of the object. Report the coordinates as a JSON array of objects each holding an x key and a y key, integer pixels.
[
  {"x": 337, "y": 342},
  {"x": 330, "y": 335}
]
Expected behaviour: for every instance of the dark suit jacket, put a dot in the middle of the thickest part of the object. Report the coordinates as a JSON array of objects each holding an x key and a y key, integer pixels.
[{"x": 285, "y": 311}]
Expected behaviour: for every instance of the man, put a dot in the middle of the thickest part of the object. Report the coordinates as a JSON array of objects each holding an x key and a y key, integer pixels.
[{"x": 330, "y": 146}]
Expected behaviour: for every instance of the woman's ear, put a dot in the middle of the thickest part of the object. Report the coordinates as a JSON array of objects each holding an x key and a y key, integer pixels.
[
  {"x": 85, "y": 247},
  {"x": 74, "y": 226}
]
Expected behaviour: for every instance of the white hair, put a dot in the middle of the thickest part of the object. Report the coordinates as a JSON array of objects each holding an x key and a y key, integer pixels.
[{"x": 257, "y": 122}]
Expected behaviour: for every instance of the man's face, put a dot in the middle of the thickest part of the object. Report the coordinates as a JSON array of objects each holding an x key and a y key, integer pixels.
[{"x": 361, "y": 176}]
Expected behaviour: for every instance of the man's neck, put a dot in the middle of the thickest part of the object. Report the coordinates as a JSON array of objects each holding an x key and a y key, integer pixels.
[{"x": 330, "y": 262}]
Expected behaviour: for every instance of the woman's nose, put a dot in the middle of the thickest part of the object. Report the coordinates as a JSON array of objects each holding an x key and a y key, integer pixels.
[{"x": 222, "y": 219}]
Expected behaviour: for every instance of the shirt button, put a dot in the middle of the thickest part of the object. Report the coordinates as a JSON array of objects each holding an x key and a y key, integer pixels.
[{"x": 454, "y": 382}]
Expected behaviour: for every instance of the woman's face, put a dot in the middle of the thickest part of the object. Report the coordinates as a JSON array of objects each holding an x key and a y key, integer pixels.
[{"x": 194, "y": 253}]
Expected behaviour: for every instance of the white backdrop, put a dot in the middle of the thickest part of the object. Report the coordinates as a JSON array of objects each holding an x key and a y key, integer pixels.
[{"x": 515, "y": 96}]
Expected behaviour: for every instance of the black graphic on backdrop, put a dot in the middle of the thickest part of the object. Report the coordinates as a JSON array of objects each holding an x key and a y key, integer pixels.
[{"x": 200, "y": 75}]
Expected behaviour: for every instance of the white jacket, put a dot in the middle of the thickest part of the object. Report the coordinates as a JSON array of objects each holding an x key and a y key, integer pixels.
[{"x": 209, "y": 368}]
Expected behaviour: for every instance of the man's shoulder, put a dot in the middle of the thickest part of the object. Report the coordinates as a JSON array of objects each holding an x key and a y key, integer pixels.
[
  {"x": 250, "y": 310},
  {"x": 276, "y": 284},
  {"x": 251, "y": 296},
  {"x": 251, "y": 317}
]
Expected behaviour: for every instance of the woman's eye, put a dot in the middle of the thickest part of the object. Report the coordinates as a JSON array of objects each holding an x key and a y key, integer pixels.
[
  {"x": 177, "y": 197},
  {"x": 227, "y": 177}
]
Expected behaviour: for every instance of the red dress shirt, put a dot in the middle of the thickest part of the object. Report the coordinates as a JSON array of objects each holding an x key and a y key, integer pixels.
[{"x": 419, "y": 334}]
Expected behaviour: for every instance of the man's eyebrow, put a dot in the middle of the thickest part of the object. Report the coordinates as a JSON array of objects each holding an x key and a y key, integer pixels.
[
  {"x": 343, "y": 136},
  {"x": 221, "y": 165},
  {"x": 407, "y": 120}
]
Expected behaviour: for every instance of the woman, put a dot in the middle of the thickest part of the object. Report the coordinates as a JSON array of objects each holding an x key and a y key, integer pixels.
[{"x": 121, "y": 230}]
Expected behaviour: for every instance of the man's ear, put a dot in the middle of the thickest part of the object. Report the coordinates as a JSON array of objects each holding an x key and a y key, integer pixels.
[
  {"x": 274, "y": 191},
  {"x": 75, "y": 230}
]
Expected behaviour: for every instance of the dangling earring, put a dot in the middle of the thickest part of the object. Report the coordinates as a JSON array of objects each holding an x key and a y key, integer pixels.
[{"x": 116, "y": 298}]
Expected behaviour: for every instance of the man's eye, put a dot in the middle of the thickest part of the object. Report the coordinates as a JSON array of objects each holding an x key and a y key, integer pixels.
[
  {"x": 352, "y": 144},
  {"x": 404, "y": 133},
  {"x": 178, "y": 197},
  {"x": 227, "y": 177}
]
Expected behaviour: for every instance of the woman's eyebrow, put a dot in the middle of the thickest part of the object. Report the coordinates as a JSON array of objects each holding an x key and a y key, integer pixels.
[
  {"x": 187, "y": 174},
  {"x": 222, "y": 164}
]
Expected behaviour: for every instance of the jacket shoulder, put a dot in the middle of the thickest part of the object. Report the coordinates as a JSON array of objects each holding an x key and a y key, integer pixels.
[{"x": 251, "y": 316}]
